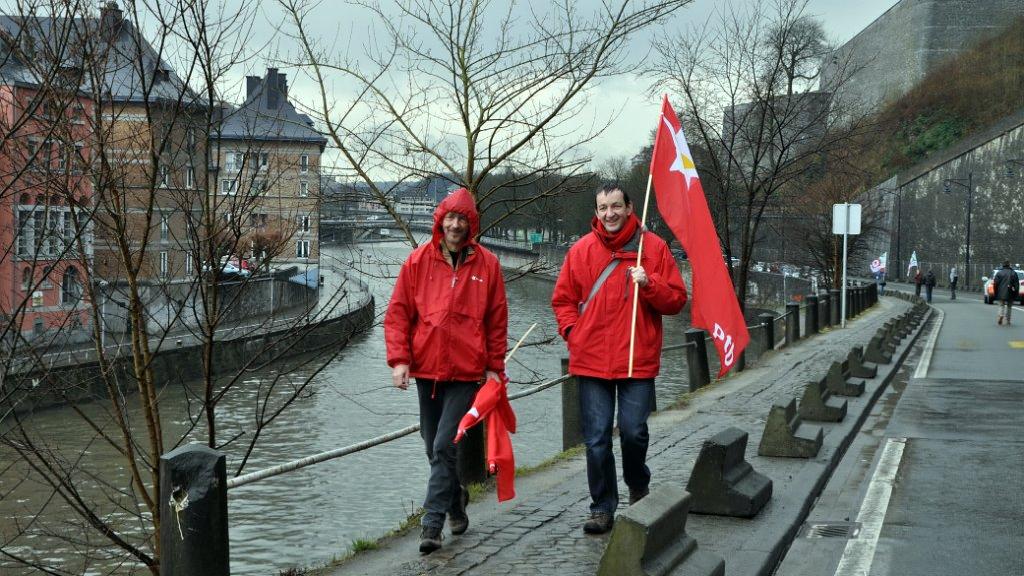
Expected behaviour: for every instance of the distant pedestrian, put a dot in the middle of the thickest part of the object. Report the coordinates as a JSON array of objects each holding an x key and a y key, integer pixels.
[
  {"x": 591, "y": 301},
  {"x": 953, "y": 278},
  {"x": 880, "y": 281},
  {"x": 918, "y": 279},
  {"x": 446, "y": 326},
  {"x": 929, "y": 284},
  {"x": 1007, "y": 289}
]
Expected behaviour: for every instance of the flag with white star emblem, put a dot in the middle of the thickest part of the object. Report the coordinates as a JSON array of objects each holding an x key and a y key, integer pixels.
[{"x": 681, "y": 201}]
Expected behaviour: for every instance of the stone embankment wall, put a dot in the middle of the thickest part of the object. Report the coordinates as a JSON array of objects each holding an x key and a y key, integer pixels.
[
  {"x": 176, "y": 365},
  {"x": 896, "y": 50}
]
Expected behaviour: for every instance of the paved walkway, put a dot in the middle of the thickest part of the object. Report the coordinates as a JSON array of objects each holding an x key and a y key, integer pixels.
[{"x": 540, "y": 533}]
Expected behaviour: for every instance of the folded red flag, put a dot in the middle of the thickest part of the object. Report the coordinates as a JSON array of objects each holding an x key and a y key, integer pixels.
[{"x": 491, "y": 404}]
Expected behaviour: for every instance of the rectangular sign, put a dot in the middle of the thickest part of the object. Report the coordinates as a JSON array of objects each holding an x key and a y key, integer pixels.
[{"x": 843, "y": 213}]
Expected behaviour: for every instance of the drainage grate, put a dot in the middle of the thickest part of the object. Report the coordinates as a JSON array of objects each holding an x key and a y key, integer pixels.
[{"x": 846, "y": 530}]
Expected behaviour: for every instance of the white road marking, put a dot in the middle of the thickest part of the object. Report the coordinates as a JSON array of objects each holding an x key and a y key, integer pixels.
[
  {"x": 859, "y": 553},
  {"x": 926, "y": 355}
]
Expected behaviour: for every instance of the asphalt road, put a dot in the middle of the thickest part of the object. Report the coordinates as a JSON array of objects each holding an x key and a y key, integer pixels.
[{"x": 934, "y": 483}]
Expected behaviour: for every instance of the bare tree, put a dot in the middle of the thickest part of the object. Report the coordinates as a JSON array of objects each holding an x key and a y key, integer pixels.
[
  {"x": 746, "y": 98},
  {"x": 481, "y": 94},
  {"x": 112, "y": 164}
]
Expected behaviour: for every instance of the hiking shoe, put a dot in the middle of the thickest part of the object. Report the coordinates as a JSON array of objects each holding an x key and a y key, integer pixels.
[
  {"x": 598, "y": 523},
  {"x": 637, "y": 495},
  {"x": 430, "y": 539},
  {"x": 458, "y": 520}
]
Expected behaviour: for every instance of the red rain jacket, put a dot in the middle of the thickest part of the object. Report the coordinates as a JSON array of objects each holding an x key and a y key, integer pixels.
[
  {"x": 449, "y": 323},
  {"x": 598, "y": 341},
  {"x": 491, "y": 404}
]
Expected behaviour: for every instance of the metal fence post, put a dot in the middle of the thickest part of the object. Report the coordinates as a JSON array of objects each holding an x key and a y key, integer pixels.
[
  {"x": 768, "y": 321},
  {"x": 194, "y": 512},
  {"x": 833, "y": 298},
  {"x": 572, "y": 432},
  {"x": 792, "y": 322},
  {"x": 811, "y": 322},
  {"x": 826, "y": 310},
  {"x": 697, "y": 358}
]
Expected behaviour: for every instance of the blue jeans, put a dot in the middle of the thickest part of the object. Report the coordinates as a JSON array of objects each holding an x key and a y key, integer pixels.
[
  {"x": 597, "y": 409},
  {"x": 442, "y": 406}
]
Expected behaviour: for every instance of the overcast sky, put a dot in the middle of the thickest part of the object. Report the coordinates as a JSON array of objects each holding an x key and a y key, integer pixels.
[{"x": 624, "y": 98}]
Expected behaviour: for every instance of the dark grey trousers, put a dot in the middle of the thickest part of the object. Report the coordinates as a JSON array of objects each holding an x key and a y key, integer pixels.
[{"x": 442, "y": 406}]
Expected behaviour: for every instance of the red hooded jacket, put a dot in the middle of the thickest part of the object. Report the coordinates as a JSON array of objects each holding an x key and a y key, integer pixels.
[
  {"x": 598, "y": 340},
  {"x": 449, "y": 322}
]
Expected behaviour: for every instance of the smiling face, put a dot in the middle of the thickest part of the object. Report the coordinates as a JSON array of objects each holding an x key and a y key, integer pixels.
[
  {"x": 456, "y": 231},
  {"x": 612, "y": 210}
]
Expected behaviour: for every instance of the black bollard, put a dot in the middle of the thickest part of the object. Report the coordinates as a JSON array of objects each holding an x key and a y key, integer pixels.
[
  {"x": 768, "y": 321},
  {"x": 572, "y": 433},
  {"x": 194, "y": 512},
  {"x": 697, "y": 358},
  {"x": 811, "y": 321},
  {"x": 792, "y": 322}
]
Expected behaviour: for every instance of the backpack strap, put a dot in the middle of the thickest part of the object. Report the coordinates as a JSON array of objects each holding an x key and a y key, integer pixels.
[{"x": 599, "y": 282}]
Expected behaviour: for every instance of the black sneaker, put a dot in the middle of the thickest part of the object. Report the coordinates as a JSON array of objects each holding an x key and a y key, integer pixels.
[
  {"x": 430, "y": 539},
  {"x": 598, "y": 523},
  {"x": 458, "y": 520},
  {"x": 637, "y": 495}
]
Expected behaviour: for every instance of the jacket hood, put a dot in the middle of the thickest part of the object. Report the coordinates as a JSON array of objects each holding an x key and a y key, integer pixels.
[{"x": 461, "y": 202}]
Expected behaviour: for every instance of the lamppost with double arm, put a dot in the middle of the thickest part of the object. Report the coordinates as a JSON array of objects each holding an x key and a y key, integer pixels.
[{"x": 969, "y": 186}]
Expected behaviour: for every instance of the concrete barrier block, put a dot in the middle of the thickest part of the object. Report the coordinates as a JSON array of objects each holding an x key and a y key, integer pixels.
[
  {"x": 858, "y": 367},
  {"x": 723, "y": 483},
  {"x": 649, "y": 539},
  {"x": 818, "y": 404},
  {"x": 838, "y": 384},
  {"x": 876, "y": 351},
  {"x": 786, "y": 436}
]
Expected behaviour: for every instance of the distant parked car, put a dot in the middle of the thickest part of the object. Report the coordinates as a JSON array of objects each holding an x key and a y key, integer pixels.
[
  {"x": 231, "y": 266},
  {"x": 989, "y": 293}
]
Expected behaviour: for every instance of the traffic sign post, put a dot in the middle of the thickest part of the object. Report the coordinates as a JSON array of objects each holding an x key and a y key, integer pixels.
[{"x": 845, "y": 221}]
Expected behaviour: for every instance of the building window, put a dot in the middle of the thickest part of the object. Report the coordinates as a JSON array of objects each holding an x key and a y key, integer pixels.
[
  {"x": 190, "y": 139},
  {"x": 302, "y": 249},
  {"x": 258, "y": 220},
  {"x": 165, "y": 228},
  {"x": 189, "y": 269},
  {"x": 163, "y": 264},
  {"x": 259, "y": 187},
  {"x": 304, "y": 223},
  {"x": 25, "y": 238},
  {"x": 71, "y": 286},
  {"x": 303, "y": 188},
  {"x": 190, "y": 178},
  {"x": 26, "y": 278},
  {"x": 227, "y": 187},
  {"x": 165, "y": 176},
  {"x": 233, "y": 161},
  {"x": 304, "y": 163},
  {"x": 260, "y": 160}
]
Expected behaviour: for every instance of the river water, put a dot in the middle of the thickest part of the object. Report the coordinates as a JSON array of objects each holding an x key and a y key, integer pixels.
[{"x": 307, "y": 517}]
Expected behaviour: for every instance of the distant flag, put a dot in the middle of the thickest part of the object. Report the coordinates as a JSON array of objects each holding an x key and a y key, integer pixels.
[
  {"x": 684, "y": 208},
  {"x": 913, "y": 262}
]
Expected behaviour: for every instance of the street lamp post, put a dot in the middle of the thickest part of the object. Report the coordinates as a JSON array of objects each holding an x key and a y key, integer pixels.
[{"x": 969, "y": 186}]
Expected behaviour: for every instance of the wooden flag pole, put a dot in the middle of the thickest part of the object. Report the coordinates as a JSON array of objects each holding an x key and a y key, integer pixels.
[{"x": 636, "y": 287}]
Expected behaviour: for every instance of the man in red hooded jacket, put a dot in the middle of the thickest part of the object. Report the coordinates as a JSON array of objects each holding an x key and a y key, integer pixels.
[
  {"x": 447, "y": 327},
  {"x": 593, "y": 304}
]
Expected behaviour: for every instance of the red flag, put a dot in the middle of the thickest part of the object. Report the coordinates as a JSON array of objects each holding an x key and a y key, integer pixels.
[{"x": 683, "y": 207}]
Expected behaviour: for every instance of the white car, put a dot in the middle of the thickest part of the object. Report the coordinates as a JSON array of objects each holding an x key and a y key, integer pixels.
[{"x": 231, "y": 266}]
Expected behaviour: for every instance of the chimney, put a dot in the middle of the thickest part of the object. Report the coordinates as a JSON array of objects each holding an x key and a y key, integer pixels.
[
  {"x": 283, "y": 86},
  {"x": 272, "y": 89},
  {"x": 252, "y": 85},
  {"x": 111, "y": 20}
]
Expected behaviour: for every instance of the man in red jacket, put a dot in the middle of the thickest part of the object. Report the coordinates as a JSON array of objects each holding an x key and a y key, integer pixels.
[
  {"x": 447, "y": 326},
  {"x": 593, "y": 303}
]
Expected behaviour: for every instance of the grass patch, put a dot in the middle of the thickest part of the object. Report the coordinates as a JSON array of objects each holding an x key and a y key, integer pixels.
[{"x": 364, "y": 544}]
